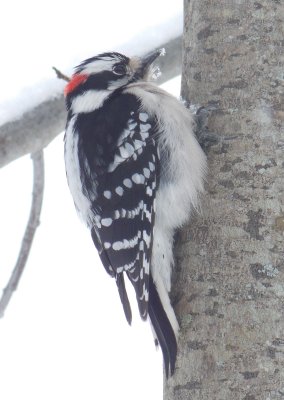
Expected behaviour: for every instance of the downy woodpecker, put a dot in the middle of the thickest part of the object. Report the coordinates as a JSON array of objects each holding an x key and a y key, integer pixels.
[{"x": 135, "y": 171}]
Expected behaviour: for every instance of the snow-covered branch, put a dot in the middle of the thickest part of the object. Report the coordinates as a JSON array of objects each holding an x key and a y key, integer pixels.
[
  {"x": 33, "y": 223},
  {"x": 39, "y": 126}
]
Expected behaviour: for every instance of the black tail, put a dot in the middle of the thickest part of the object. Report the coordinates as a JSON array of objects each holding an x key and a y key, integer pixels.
[{"x": 163, "y": 328}]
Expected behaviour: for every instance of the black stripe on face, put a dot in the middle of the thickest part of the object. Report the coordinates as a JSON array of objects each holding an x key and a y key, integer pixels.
[{"x": 100, "y": 81}]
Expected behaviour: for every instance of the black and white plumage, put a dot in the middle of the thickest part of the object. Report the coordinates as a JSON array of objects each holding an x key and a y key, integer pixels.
[{"x": 135, "y": 170}]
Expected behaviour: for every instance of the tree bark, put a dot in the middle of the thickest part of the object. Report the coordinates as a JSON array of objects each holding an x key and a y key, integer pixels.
[{"x": 229, "y": 286}]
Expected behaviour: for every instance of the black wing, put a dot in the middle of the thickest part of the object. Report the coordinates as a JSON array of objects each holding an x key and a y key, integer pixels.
[{"x": 125, "y": 201}]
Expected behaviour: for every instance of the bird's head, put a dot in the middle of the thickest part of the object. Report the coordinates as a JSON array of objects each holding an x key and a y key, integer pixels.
[{"x": 96, "y": 78}]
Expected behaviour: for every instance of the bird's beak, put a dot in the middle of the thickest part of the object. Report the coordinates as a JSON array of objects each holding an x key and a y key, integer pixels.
[{"x": 146, "y": 62}]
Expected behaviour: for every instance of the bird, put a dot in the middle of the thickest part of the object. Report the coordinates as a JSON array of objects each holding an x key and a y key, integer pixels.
[{"x": 135, "y": 171}]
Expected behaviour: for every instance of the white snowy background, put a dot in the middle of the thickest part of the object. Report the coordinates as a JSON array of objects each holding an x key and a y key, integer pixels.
[{"x": 64, "y": 335}]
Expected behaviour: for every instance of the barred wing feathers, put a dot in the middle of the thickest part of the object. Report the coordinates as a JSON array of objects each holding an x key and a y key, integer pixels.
[{"x": 123, "y": 231}]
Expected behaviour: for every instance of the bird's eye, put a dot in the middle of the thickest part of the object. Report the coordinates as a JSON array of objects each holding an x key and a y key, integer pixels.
[{"x": 119, "y": 69}]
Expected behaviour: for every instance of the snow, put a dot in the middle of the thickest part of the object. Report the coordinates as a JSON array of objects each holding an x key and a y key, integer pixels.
[
  {"x": 64, "y": 335},
  {"x": 63, "y": 33}
]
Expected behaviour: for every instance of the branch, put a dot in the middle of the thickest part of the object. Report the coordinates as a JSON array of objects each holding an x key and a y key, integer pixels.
[
  {"x": 60, "y": 75},
  {"x": 21, "y": 137},
  {"x": 33, "y": 223}
]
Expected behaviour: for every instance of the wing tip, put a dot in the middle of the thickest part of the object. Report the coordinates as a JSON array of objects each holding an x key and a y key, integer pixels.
[{"x": 123, "y": 297}]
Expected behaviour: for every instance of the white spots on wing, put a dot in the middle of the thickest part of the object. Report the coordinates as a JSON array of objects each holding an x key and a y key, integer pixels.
[
  {"x": 143, "y": 116},
  {"x": 146, "y": 238},
  {"x": 119, "y": 190},
  {"x": 149, "y": 191},
  {"x": 125, "y": 244},
  {"x": 151, "y": 166},
  {"x": 147, "y": 213},
  {"x": 107, "y": 194},
  {"x": 129, "y": 148},
  {"x": 123, "y": 152},
  {"x": 125, "y": 267},
  {"x": 123, "y": 213},
  {"x": 129, "y": 214},
  {"x": 138, "y": 178},
  {"x": 127, "y": 183},
  {"x": 132, "y": 126},
  {"x": 117, "y": 246},
  {"x": 146, "y": 264},
  {"x": 146, "y": 172},
  {"x": 145, "y": 294},
  {"x": 106, "y": 221},
  {"x": 132, "y": 213},
  {"x": 131, "y": 141},
  {"x": 117, "y": 160},
  {"x": 144, "y": 135},
  {"x": 107, "y": 245},
  {"x": 126, "y": 151},
  {"x": 138, "y": 144},
  {"x": 141, "y": 246},
  {"x": 129, "y": 266},
  {"x": 145, "y": 127}
]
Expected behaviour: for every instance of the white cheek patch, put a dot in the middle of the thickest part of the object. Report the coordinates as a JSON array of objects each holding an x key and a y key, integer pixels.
[{"x": 89, "y": 101}]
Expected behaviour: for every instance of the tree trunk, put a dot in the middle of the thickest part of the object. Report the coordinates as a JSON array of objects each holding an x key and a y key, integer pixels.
[{"x": 229, "y": 287}]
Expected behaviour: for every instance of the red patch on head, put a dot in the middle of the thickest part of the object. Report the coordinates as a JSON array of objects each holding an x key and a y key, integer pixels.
[{"x": 75, "y": 81}]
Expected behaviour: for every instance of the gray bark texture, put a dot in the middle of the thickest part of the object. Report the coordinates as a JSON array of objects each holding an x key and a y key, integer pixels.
[{"x": 228, "y": 290}]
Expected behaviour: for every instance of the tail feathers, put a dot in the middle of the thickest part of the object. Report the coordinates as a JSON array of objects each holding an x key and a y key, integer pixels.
[
  {"x": 163, "y": 329},
  {"x": 123, "y": 297}
]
